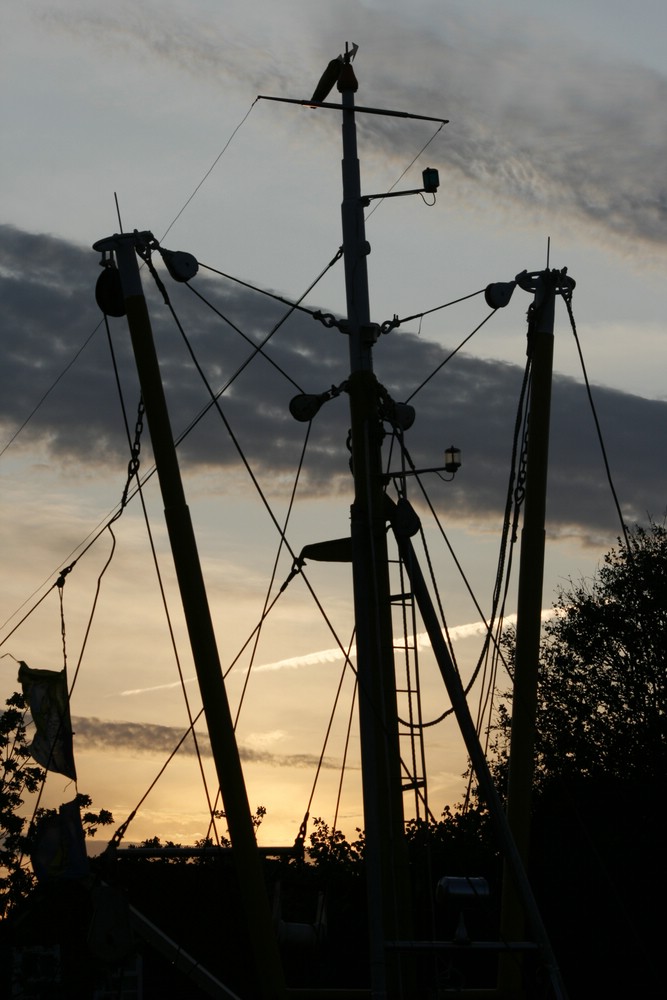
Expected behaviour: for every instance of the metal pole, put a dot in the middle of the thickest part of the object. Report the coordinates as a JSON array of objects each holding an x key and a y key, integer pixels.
[
  {"x": 386, "y": 851},
  {"x": 198, "y": 619},
  {"x": 529, "y": 607}
]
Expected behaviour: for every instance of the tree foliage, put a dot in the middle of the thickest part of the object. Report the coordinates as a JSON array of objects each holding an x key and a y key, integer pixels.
[
  {"x": 602, "y": 696},
  {"x": 18, "y": 777},
  {"x": 330, "y": 850}
]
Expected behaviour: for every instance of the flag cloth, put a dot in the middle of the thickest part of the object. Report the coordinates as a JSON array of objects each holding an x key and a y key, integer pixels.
[
  {"x": 59, "y": 849},
  {"x": 46, "y": 694}
]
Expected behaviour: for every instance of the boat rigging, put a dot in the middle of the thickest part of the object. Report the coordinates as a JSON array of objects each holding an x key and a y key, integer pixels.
[
  {"x": 393, "y": 974},
  {"x": 381, "y": 515}
]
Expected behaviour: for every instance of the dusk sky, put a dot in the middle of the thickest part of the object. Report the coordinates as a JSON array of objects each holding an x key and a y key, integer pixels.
[{"x": 557, "y": 129}]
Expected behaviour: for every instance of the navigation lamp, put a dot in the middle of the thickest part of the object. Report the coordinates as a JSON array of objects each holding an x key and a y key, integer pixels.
[
  {"x": 431, "y": 180},
  {"x": 498, "y": 294},
  {"x": 452, "y": 459}
]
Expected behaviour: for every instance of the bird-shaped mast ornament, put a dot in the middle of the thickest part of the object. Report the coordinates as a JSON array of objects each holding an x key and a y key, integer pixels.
[{"x": 331, "y": 74}]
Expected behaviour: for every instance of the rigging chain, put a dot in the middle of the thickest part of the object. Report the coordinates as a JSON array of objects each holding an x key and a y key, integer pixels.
[{"x": 328, "y": 319}]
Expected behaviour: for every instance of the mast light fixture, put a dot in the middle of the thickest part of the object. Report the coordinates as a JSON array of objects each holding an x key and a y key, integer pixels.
[
  {"x": 452, "y": 460},
  {"x": 431, "y": 181}
]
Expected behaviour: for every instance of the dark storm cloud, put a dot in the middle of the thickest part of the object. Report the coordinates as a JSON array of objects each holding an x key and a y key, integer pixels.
[
  {"x": 136, "y": 738},
  {"x": 47, "y": 287}
]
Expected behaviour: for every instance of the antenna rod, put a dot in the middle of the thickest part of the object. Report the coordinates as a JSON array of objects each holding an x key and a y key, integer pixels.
[{"x": 120, "y": 223}]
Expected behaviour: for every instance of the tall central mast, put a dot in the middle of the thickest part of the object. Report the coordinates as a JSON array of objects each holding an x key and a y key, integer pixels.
[{"x": 381, "y": 768}]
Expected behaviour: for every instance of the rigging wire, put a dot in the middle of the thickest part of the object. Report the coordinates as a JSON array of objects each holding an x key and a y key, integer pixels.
[
  {"x": 445, "y": 305},
  {"x": 421, "y": 315},
  {"x": 272, "y": 295},
  {"x": 98, "y": 588},
  {"x": 214, "y": 401},
  {"x": 327, "y": 318},
  {"x": 258, "y": 630},
  {"x": 48, "y": 392},
  {"x": 211, "y": 168},
  {"x": 450, "y": 355},
  {"x": 624, "y": 529},
  {"x": 133, "y": 472},
  {"x": 281, "y": 545},
  {"x": 513, "y": 504},
  {"x": 512, "y": 493},
  {"x": 93, "y": 536},
  {"x": 402, "y": 175},
  {"x": 249, "y": 340},
  {"x": 245, "y": 462},
  {"x": 259, "y": 348},
  {"x": 96, "y": 532},
  {"x": 122, "y": 829},
  {"x": 60, "y": 726},
  {"x": 347, "y": 745},
  {"x": 61, "y": 585},
  {"x": 94, "y": 331},
  {"x": 318, "y": 769}
]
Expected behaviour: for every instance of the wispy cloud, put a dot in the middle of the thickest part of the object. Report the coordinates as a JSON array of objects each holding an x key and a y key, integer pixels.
[
  {"x": 156, "y": 687},
  {"x": 589, "y": 142},
  {"x": 421, "y": 640},
  {"x": 136, "y": 738}
]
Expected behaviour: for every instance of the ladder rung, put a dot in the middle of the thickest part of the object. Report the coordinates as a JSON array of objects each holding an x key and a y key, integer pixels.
[{"x": 410, "y": 786}]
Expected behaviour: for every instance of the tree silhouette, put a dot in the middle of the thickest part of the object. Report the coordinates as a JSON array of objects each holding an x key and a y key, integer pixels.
[
  {"x": 601, "y": 752},
  {"x": 18, "y": 777},
  {"x": 602, "y": 697}
]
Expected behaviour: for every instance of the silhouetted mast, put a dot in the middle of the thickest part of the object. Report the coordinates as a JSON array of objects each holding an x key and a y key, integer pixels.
[{"x": 268, "y": 967}]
